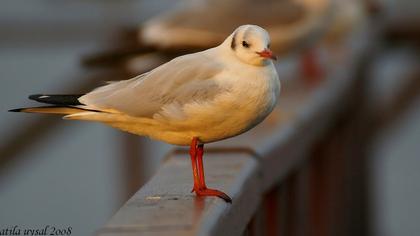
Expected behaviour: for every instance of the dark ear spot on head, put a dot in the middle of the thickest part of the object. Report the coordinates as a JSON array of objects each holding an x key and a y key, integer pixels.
[{"x": 233, "y": 43}]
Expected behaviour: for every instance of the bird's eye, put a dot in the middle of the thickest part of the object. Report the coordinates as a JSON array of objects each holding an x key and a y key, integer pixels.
[
  {"x": 268, "y": 46},
  {"x": 245, "y": 44}
]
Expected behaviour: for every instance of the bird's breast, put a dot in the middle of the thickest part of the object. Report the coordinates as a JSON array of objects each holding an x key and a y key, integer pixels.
[
  {"x": 247, "y": 98},
  {"x": 248, "y": 102}
]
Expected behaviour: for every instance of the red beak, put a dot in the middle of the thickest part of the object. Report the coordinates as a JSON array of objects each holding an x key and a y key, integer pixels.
[{"x": 267, "y": 53}]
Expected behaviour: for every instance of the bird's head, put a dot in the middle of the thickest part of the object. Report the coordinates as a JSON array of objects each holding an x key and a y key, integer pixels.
[{"x": 251, "y": 45}]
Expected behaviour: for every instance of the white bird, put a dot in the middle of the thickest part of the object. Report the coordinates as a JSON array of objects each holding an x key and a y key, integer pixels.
[
  {"x": 191, "y": 100},
  {"x": 293, "y": 24}
]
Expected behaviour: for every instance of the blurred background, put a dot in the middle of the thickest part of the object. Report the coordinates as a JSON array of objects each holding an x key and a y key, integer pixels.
[{"x": 70, "y": 173}]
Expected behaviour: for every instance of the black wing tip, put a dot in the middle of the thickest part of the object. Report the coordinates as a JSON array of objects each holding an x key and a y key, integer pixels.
[
  {"x": 64, "y": 100},
  {"x": 16, "y": 110}
]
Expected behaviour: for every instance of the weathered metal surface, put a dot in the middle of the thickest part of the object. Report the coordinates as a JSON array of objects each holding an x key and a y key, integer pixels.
[{"x": 166, "y": 206}]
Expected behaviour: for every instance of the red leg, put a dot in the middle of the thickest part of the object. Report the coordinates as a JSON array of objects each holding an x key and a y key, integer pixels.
[
  {"x": 200, "y": 152},
  {"x": 193, "y": 155},
  {"x": 203, "y": 190}
]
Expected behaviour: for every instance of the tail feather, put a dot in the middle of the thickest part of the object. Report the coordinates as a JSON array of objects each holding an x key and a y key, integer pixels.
[
  {"x": 50, "y": 110},
  {"x": 66, "y": 105}
]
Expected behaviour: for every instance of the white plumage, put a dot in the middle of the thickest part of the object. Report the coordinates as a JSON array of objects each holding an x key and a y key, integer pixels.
[
  {"x": 212, "y": 95},
  {"x": 191, "y": 100}
]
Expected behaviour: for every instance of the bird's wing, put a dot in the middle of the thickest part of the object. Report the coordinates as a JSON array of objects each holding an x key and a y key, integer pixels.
[{"x": 184, "y": 79}]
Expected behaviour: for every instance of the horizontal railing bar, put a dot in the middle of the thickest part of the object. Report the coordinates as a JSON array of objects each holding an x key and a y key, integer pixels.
[
  {"x": 165, "y": 206},
  {"x": 295, "y": 140}
]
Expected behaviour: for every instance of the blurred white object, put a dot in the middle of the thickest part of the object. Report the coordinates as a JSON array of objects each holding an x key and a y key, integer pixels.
[
  {"x": 350, "y": 16},
  {"x": 205, "y": 23}
]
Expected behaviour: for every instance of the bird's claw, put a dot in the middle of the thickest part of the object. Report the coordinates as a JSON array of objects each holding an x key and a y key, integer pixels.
[{"x": 212, "y": 192}]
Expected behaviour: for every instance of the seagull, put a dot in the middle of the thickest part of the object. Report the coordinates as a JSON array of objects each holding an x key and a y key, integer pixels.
[
  {"x": 191, "y": 100},
  {"x": 194, "y": 25},
  {"x": 293, "y": 24}
]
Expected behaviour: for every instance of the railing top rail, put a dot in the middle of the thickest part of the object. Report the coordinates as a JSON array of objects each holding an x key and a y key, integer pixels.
[{"x": 163, "y": 206}]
